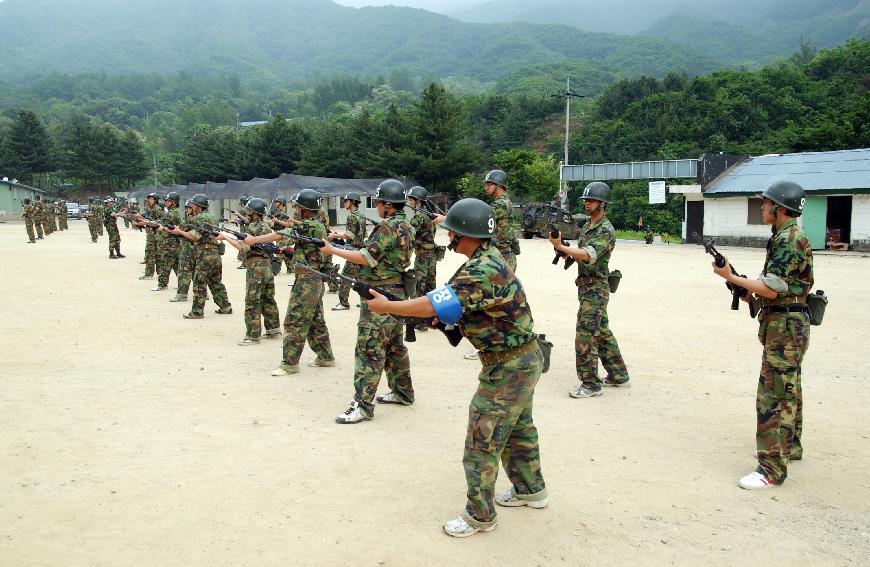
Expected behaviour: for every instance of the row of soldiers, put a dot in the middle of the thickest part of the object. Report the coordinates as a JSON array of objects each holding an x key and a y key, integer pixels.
[{"x": 43, "y": 217}]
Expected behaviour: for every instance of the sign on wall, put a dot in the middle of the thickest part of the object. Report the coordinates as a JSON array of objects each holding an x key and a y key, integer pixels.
[{"x": 657, "y": 193}]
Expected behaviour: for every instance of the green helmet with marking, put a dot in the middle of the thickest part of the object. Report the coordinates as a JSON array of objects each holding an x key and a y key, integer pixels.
[
  {"x": 470, "y": 217},
  {"x": 787, "y": 194},
  {"x": 256, "y": 205},
  {"x": 496, "y": 176},
  {"x": 200, "y": 201},
  {"x": 353, "y": 196},
  {"x": 390, "y": 191},
  {"x": 598, "y": 191},
  {"x": 308, "y": 199},
  {"x": 417, "y": 192}
]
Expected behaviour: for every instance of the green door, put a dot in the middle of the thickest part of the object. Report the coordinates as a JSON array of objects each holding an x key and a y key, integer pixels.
[{"x": 815, "y": 217}]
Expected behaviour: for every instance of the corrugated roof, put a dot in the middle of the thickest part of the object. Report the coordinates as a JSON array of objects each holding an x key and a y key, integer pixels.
[{"x": 845, "y": 171}]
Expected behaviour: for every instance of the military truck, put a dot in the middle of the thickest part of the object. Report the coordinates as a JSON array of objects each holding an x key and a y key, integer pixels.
[{"x": 539, "y": 218}]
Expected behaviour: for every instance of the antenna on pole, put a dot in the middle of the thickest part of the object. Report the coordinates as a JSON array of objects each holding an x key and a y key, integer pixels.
[{"x": 567, "y": 94}]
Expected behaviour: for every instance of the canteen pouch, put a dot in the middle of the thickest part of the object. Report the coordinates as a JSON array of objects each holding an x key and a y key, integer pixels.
[
  {"x": 613, "y": 280},
  {"x": 515, "y": 247},
  {"x": 546, "y": 349},
  {"x": 440, "y": 252},
  {"x": 409, "y": 283},
  {"x": 222, "y": 247},
  {"x": 816, "y": 304}
]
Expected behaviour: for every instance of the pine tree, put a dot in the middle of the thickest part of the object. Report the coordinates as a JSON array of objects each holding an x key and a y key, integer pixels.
[{"x": 28, "y": 147}]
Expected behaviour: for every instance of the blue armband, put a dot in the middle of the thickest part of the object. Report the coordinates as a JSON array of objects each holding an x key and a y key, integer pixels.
[{"x": 447, "y": 307}]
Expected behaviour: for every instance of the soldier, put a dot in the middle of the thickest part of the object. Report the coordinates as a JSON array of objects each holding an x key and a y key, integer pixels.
[
  {"x": 593, "y": 338},
  {"x": 304, "y": 318},
  {"x": 281, "y": 218},
  {"x": 92, "y": 219},
  {"x": 495, "y": 187},
  {"x": 784, "y": 331},
  {"x": 37, "y": 216},
  {"x": 355, "y": 234},
  {"x": 171, "y": 243},
  {"x": 44, "y": 207},
  {"x": 110, "y": 220},
  {"x": 240, "y": 218},
  {"x": 379, "y": 345},
  {"x": 424, "y": 244},
  {"x": 259, "y": 279},
  {"x": 27, "y": 213},
  {"x": 186, "y": 258},
  {"x": 99, "y": 209},
  {"x": 487, "y": 302},
  {"x": 151, "y": 213},
  {"x": 208, "y": 270},
  {"x": 323, "y": 216},
  {"x": 62, "y": 218}
]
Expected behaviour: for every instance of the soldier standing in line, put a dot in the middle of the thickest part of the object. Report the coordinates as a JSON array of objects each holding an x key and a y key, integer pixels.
[
  {"x": 784, "y": 331},
  {"x": 37, "y": 216},
  {"x": 92, "y": 219},
  {"x": 355, "y": 234},
  {"x": 62, "y": 219},
  {"x": 27, "y": 213},
  {"x": 98, "y": 212},
  {"x": 323, "y": 215},
  {"x": 151, "y": 214},
  {"x": 171, "y": 243},
  {"x": 208, "y": 270},
  {"x": 260, "y": 305},
  {"x": 110, "y": 220},
  {"x": 593, "y": 339},
  {"x": 186, "y": 258},
  {"x": 42, "y": 206},
  {"x": 487, "y": 302},
  {"x": 379, "y": 345},
  {"x": 495, "y": 187},
  {"x": 241, "y": 219},
  {"x": 425, "y": 262},
  {"x": 281, "y": 218}
]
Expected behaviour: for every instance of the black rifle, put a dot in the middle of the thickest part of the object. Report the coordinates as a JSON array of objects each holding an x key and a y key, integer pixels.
[
  {"x": 453, "y": 335},
  {"x": 737, "y": 292},
  {"x": 267, "y": 248},
  {"x": 337, "y": 243},
  {"x": 559, "y": 254}
]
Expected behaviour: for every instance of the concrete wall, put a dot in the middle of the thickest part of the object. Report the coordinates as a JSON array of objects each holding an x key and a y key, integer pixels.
[
  {"x": 11, "y": 196},
  {"x": 725, "y": 218},
  {"x": 861, "y": 223}
]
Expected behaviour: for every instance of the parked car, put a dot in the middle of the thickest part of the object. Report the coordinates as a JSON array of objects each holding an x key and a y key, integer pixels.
[{"x": 73, "y": 211}]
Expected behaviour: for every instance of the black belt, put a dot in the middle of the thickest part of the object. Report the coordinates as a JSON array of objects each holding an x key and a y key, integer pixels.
[{"x": 786, "y": 308}]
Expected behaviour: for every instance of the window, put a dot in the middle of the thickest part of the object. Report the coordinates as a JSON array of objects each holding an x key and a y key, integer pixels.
[
  {"x": 370, "y": 202},
  {"x": 753, "y": 215}
]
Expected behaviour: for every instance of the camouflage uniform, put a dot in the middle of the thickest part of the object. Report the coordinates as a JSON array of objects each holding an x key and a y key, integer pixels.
[
  {"x": 281, "y": 215},
  {"x": 170, "y": 249},
  {"x": 37, "y": 219},
  {"x": 111, "y": 224},
  {"x": 209, "y": 268},
  {"x": 100, "y": 210},
  {"x": 785, "y": 335},
  {"x": 379, "y": 345},
  {"x": 92, "y": 221},
  {"x": 260, "y": 302},
  {"x": 27, "y": 213},
  {"x": 323, "y": 216},
  {"x": 593, "y": 339},
  {"x": 496, "y": 319},
  {"x": 47, "y": 218},
  {"x": 150, "y": 213},
  {"x": 424, "y": 252},
  {"x": 505, "y": 239},
  {"x": 304, "y": 319},
  {"x": 355, "y": 227},
  {"x": 62, "y": 218},
  {"x": 186, "y": 260}
]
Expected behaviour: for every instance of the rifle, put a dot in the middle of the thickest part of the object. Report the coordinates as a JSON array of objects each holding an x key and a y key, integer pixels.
[
  {"x": 338, "y": 243},
  {"x": 737, "y": 292},
  {"x": 267, "y": 248},
  {"x": 366, "y": 219},
  {"x": 453, "y": 335},
  {"x": 559, "y": 254}
]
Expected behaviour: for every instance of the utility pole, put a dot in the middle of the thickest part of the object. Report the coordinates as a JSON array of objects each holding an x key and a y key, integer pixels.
[
  {"x": 155, "y": 171},
  {"x": 568, "y": 94}
]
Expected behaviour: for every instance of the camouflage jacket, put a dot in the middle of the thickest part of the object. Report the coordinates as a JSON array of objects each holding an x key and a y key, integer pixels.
[
  {"x": 503, "y": 213},
  {"x": 107, "y": 216},
  {"x": 173, "y": 216},
  {"x": 598, "y": 241},
  {"x": 388, "y": 251},
  {"x": 249, "y": 256},
  {"x": 788, "y": 268},
  {"x": 495, "y": 313},
  {"x": 203, "y": 239},
  {"x": 424, "y": 234},
  {"x": 28, "y": 211},
  {"x": 323, "y": 216},
  {"x": 307, "y": 254},
  {"x": 355, "y": 227}
]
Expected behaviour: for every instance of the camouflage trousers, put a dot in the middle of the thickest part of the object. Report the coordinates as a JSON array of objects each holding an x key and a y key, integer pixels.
[
  {"x": 114, "y": 235},
  {"x": 168, "y": 260},
  {"x": 92, "y": 228},
  {"x": 779, "y": 400},
  {"x": 37, "y": 224},
  {"x": 99, "y": 227},
  {"x": 260, "y": 303},
  {"x": 207, "y": 276},
  {"x": 379, "y": 348},
  {"x": 28, "y": 225},
  {"x": 186, "y": 265},
  {"x": 150, "y": 252},
  {"x": 304, "y": 321},
  {"x": 328, "y": 266},
  {"x": 47, "y": 225},
  {"x": 64, "y": 224},
  {"x": 593, "y": 338},
  {"x": 500, "y": 425},
  {"x": 349, "y": 270},
  {"x": 424, "y": 272}
]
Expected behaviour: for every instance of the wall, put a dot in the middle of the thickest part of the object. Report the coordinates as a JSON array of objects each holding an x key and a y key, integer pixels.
[
  {"x": 725, "y": 218},
  {"x": 861, "y": 223},
  {"x": 10, "y": 200}
]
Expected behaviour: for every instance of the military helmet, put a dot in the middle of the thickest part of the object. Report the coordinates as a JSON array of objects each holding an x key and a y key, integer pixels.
[
  {"x": 256, "y": 205},
  {"x": 417, "y": 192},
  {"x": 38, "y": 197},
  {"x": 308, "y": 199},
  {"x": 470, "y": 217},
  {"x": 90, "y": 199},
  {"x": 282, "y": 200},
  {"x": 353, "y": 196},
  {"x": 156, "y": 197},
  {"x": 244, "y": 199},
  {"x": 598, "y": 191},
  {"x": 200, "y": 201},
  {"x": 496, "y": 176},
  {"x": 26, "y": 200},
  {"x": 787, "y": 194},
  {"x": 390, "y": 191},
  {"x": 109, "y": 199},
  {"x": 174, "y": 197},
  {"x": 188, "y": 203}
]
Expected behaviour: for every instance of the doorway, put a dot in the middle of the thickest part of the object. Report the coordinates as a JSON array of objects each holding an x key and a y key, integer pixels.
[{"x": 839, "y": 221}]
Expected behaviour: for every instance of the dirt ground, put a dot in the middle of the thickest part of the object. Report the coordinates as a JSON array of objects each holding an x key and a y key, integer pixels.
[{"x": 130, "y": 436}]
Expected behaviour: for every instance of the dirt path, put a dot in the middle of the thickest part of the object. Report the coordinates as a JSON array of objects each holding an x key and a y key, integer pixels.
[{"x": 129, "y": 436}]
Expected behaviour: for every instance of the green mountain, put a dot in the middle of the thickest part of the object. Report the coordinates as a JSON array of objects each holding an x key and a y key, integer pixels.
[{"x": 288, "y": 40}]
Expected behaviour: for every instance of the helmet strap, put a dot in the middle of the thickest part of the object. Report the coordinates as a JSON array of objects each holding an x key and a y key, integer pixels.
[{"x": 454, "y": 242}]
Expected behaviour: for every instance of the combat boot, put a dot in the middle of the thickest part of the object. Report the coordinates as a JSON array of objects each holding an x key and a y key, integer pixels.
[
  {"x": 112, "y": 254},
  {"x": 118, "y": 250}
]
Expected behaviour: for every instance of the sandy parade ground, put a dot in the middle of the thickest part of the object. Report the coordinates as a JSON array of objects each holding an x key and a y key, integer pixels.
[{"x": 130, "y": 436}]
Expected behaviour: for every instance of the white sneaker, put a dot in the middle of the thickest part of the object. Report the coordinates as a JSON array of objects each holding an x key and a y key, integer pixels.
[
  {"x": 353, "y": 414},
  {"x": 341, "y": 307},
  {"x": 473, "y": 355},
  {"x": 391, "y": 398},
  {"x": 754, "y": 481},
  {"x": 316, "y": 362},
  {"x": 584, "y": 392},
  {"x": 458, "y": 527},
  {"x": 285, "y": 370},
  {"x": 248, "y": 341},
  {"x": 158, "y": 288},
  {"x": 509, "y": 499}
]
